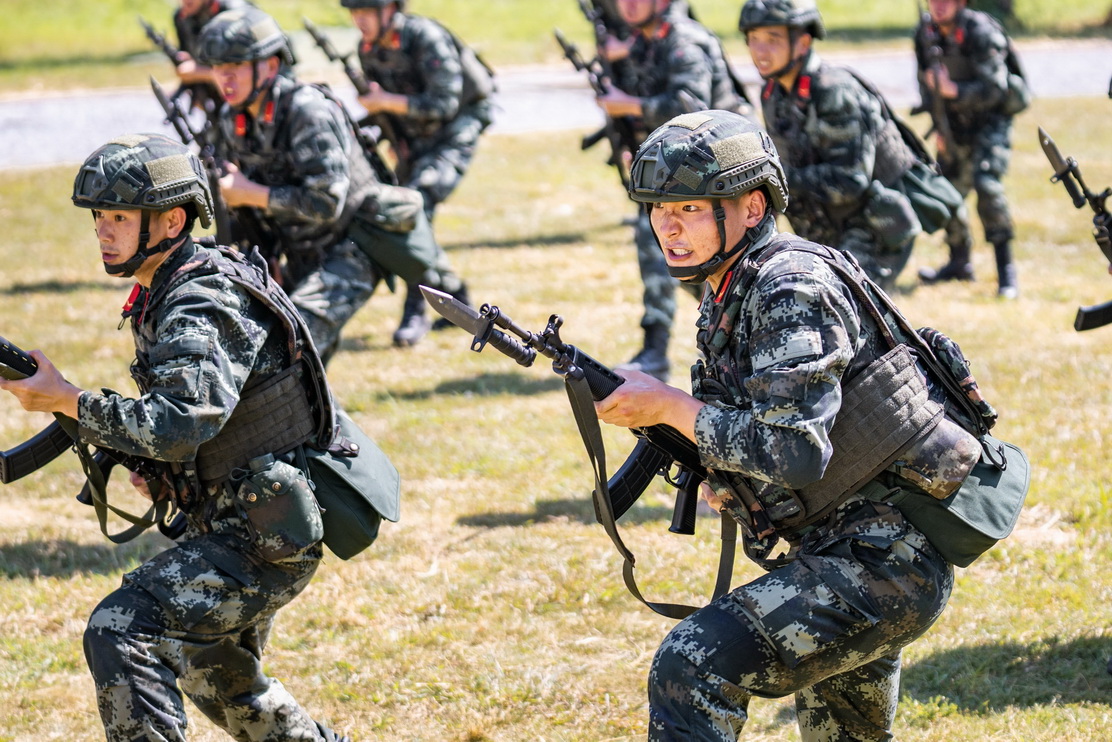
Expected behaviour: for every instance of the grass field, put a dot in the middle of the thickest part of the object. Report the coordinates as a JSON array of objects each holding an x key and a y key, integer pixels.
[{"x": 495, "y": 609}]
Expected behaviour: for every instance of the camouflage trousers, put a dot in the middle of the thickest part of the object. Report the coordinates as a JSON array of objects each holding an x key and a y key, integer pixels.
[
  {"x": 437, "y": 164},
  {"x": 659, "y": 295},
  {"x": 979, "y": 165},
  {"x": 828, "y": 627},
  {"x": 196, "y": 617},
  {"x": 330, "y": 295}
]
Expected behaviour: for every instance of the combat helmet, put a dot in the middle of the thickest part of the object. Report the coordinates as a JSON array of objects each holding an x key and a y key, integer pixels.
[
  {"x": 149, "y": 172},
  {"x": 795, "y": 14},
  {"x": 243, "y": 35},
  {"x": 708, "y": 155}
]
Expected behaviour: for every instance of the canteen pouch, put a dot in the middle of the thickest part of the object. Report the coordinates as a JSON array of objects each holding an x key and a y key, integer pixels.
[
  {"x": 277, "y": 502},
  {"x": 889, "y": 213},
  {"x": 940, "y": 462},
  {"x": 981, "y": 512},
  {"x": 393, "y": 208},
  {"x": 357, "y": 486}
]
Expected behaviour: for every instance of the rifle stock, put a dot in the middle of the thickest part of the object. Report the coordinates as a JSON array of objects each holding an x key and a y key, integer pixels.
[{"x": 1068, "y": 173}]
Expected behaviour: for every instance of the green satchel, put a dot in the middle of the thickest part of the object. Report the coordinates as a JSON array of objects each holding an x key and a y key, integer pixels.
[
  {"x": 356, "y": 486},
  {"x": 981, "y": 512}
]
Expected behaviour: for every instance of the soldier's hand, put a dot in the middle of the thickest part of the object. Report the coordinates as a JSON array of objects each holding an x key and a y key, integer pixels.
[
  {"x": 46, "y": 391},
  {"x": 643, "y": 400},
  {"x": 617, "y": 103},
  {"x": 616, "y": 49},
  {"x": 139, "y": 482},
  {"x": 239, "y": 190},
  {"x": 707, "y": 493}
]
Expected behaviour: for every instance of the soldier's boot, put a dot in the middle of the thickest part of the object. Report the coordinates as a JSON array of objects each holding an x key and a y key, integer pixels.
[
  {"x": 461, "y": 295},
  {"x": 959, "y": 268},
  {"x": 652, "y": 359},
  {"x": 415, "y": 320},
  {"x": 1007, "y": 288}
]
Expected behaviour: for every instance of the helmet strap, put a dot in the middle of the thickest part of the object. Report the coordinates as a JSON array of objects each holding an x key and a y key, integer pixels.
[
  {"x": 135, "y": 262},
  {"x": 703, "y": 271}
]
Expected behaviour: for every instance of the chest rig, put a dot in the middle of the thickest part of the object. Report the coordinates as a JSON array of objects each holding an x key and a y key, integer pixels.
[
  {"x": 276, "y": 412},
  {"x": 890, "y": 405}
]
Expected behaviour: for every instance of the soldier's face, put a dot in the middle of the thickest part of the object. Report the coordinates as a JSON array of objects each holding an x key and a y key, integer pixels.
[
  {"x": 688, "y": 232},
  {"x": 118, "y": 233},
  {"x": 237, "y": 81},
  {"x": 636, "y": 12},
  {"x": 944, "y": 12},
  {"x": 770, "y": 48},
  {"x": 369, "y": 21}
]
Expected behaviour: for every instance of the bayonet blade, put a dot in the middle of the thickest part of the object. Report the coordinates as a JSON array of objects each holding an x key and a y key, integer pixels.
[
  {"x": 1050, "y": 149},
  {"x": 453, "y": 310}
]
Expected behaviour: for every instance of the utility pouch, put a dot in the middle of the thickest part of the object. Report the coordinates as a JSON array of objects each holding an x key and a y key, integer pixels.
[
  {"x": 393, "y": 208},
  {"x": 983, "y": 510},
  {"x": 357, "y": 486},
  {"x": 940, "y": 462},
  {"x": 277, "y": 502},
  {"x": 889, "y": 214}
]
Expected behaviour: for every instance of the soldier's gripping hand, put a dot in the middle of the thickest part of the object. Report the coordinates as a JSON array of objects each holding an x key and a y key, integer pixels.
[
  {"x": 239, "y": 190},
  {"x": 643, "y": 400},
  {"x": 46, "y": 391}
]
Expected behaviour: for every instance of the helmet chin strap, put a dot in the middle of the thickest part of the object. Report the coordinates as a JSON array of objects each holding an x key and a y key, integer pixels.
[
  {"x": 700, "y": 273},
  {"x": 127, "y": 268}
]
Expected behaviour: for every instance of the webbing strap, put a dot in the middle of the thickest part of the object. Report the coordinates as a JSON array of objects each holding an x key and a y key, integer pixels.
[{"x": 583, "y": 408}]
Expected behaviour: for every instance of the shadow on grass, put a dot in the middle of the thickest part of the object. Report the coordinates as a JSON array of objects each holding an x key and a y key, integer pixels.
[
  {"x": 1044, "y": 673},
  {"x": 580, "y": 510},
  {"x": 48, "y": 63},
  {"x": 484, "y": 385},
  {"x": 58, "y": 287},
  {"x": 546, "y": 240},
  {"x": 36, "y": 559}
]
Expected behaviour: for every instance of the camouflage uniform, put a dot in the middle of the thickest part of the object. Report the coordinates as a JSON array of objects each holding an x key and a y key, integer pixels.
[
  {"x": 977, "y": 156},
  {"x": 188, "y": 29},
  {"x": 836, "y": 142},
  {"x": 681, "y": 68},
  {"x": 829, "y": 620},
  {"x": 338, "y": 228},
  {"x": 197, "y": 616}
]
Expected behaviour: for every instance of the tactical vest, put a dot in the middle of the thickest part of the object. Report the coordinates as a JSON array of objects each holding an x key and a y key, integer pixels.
[
  {"x": 891, "y": 405},
  {"x": 277, "y": 413}
]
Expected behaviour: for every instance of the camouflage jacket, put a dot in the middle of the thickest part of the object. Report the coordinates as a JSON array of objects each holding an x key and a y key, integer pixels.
[
  {"x": 419, "y": 58},
  {"x": 775, "y": 351},
  {"x": 975, "y": 55},
  {"x": 189, "y": 28},
  {"x": 195, "y": 348},
  {"x": 301, "y": 147},
  {"x": 834, "y": 140},
  {"x": 683, "y": 60}
]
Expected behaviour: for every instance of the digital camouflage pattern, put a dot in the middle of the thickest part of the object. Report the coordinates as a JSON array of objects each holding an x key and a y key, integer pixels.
[
  {"x": 825, "y": 623},
  {"x": 449, "y": 101},
  {"x": 189, "y": 27},
  {"x": 835, "y": 141},
  {"x": 197, "y": 616},
  {"x": 328, "y": 217},
  {"x": 977, "y": 158}
]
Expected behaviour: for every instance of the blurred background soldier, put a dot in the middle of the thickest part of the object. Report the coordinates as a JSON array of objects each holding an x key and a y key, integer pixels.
[
  {"x": 434, "y": 92},
  {"x": 213, "y": 339},
  {"x": 189, "y": 19},
  {"x": 670, "y": 64},
  {"x": 300, "y": 187},
  {"x": 860, "y": 179},
  {"x": 971, "y": 83}
]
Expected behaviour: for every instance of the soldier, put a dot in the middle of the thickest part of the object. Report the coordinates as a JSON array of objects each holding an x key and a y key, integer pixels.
[
  {"x": 189, "y": 19},
  {"x": 300, "y": 187},
  {"x": 851, "y": 162},
  {"x": 668, "y": 65},
  {"x": 435, "y": 92},
  {"x": 783, "y": 333},
  {"x": 963, "y": 58},
  {"x": 210, "y": 332}
]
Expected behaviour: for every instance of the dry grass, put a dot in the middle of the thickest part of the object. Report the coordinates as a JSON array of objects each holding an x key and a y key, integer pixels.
[{"x": 495, "y": 609}]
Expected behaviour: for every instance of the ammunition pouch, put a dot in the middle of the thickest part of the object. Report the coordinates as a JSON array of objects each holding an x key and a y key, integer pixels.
[
  {"x": 889, "y": 214},
  {"x": 393, "y": 208}
]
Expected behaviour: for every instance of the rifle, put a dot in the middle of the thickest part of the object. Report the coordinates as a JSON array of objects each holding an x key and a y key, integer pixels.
[
  {"x": 658, "y": 448},
  {"x": 940, "y": 122},
  {"x": 621, "y": 132},
  {"x": 62, "y": 434},
  {"x": 201, "y": 96},
  {"x": 178, "y": 118},
  {"x": 159, "y": 40},
  {"x": 379, "y": 121},
  {"x": 1068, "y": 173}
]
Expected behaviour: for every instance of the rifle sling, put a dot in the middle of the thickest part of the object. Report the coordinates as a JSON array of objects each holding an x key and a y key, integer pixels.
[{"x": 583, "y": 407}]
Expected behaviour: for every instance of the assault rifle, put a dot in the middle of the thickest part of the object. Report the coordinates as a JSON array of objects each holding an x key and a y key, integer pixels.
[
  {"x": 620, "y": 132},
  {"x": 200, "y": 95},
  {"x": 940, "y": 122},
  {"x": 379, "y": 121},
  {"x": 179, "y": 119},
  {"x": 1068, "y": 173},
  {"x": 62, "y": 435},
  {"x": 658, "y": 448}
]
